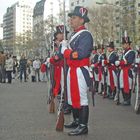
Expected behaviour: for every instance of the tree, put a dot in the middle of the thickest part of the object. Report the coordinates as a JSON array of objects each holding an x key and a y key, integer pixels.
[{"x": 102, "y": 23}]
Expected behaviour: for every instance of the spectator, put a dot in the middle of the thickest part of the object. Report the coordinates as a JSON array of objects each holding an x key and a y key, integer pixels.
[
  {"x": 36, "y": 66},
  {"x": 2, "y": 67},
  {"x": 22, "y": 68},
  {"x": 43, "y": 72},
  {"x": 9, "y": 68}
]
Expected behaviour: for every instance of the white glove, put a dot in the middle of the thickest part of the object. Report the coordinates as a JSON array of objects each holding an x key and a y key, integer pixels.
[
  {"x": 48, "y": 60},
  {"x": 117, "y": 63},
  {"x": 64, "y": 46},
  {"x": 137, "y": 60},
  {"x": 103, "y": 64},
  {"x": 92, "y": 66}
]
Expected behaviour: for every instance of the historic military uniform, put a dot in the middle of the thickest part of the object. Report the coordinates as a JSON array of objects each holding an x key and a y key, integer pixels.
[
  {"x": 57, "y": 61},
  {"x": 78, "y": 77},
  {"x": 126, "y": 73},
  {"x": 94, "y": 64},
  {"x": 111, "y": 71},
  {"x": 101, "y": 69}
]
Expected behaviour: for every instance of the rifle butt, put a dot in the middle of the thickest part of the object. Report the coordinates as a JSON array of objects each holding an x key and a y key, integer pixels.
[
  {"x": 52, "y": 107},
  {"x": 60, "y": 122}
]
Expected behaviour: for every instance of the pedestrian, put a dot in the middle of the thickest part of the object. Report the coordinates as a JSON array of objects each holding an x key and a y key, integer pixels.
[
  {"x": 36, "y": 66},
  {"x": 77, "y": 54},
  {"x": 2, "y": 67},
  {"x": 32, "y": 72},
  {"x": 126, "y": 73},
  {"x": 14, "y": 67},
  {"x": 23, "y": 68},
  {"x": 43, "y": 72},
  {"x": 9, "y": 63}
]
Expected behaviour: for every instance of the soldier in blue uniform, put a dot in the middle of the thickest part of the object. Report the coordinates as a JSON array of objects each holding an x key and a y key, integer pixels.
[
  {"x": 57, "y": 61},
  {"x": 126, "y": 74},
  {"x": 101, "y": 69},
  {"x": 77, "y": 56},
  {"x": 94, "y": 62},
  {"x": 112, "y": 71}
]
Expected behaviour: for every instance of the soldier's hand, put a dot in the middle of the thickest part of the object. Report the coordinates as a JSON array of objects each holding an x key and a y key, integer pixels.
[
  {"x": 137, "y": 60},
  {"x": 117, "y": 63},
  {"x": 48, "y": 60},
  {"x": 92, "y": 66},
  {"x": 64, "y": 46}
]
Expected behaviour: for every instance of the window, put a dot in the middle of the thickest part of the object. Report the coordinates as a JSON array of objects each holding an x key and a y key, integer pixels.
[
  {"x": 72, "y": 4},
  {"x": 138, "y": 4}
]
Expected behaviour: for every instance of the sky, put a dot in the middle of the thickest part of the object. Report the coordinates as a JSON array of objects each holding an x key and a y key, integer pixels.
[{"x": 7, "y": 3}]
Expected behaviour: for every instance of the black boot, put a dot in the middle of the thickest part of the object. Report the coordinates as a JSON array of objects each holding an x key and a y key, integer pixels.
[
  {"x": 67, "y": 109},
  {"x": 110, "y": 93},
  {"x": 96, "y": 86},
  {"x": 83, "y": 121},
  {"x": 80, "y": 130},
  {"x": 75, "y": 121},
  {"x": 127, "y": 97},
  {"x": 114, "y": 93}
]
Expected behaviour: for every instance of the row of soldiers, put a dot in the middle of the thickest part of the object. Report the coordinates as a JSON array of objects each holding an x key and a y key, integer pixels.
[
  {"x": 114, "y": 73},
  {"x": 74, "y": 57}
]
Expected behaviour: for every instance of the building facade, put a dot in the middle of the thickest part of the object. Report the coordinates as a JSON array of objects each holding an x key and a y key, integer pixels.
[
  {"x": 1, "y": 31},
  {"x": 46, "y": 15},
  {"x": 17, "y": 21}
]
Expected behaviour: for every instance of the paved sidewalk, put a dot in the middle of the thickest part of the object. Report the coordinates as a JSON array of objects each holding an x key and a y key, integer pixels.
[{"x": 24, "y": 116}]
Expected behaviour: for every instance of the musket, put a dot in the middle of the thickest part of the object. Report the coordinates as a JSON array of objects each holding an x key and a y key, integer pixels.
[
  {"x": 52, "y": 84},
  {"x": 105, "y": 83},
  {"x": 60, "y": 117},
  {"x": 104, "y": 76},
  {"x": 137, "y": 102},
  {"x": 93, "y": 88}
]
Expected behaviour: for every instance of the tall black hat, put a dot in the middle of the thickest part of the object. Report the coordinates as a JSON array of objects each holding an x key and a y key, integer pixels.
[
  {"x": 126, "y": 39},
  {"x": 60, "y": 29},
  {"x": 99, "y": 46},
  {"x": 111, "y": 45},
  {"x": 80, "y": 12}
]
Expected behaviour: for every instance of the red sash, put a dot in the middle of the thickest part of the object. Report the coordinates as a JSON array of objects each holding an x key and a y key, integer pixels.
[
  {"x": 126, "y": 78},
  {"x": 100, "y": 71},
  {"x": 57, "y": 75},
  {"x": 111, "y": 78},
  {"x": 74, "y": 87}
]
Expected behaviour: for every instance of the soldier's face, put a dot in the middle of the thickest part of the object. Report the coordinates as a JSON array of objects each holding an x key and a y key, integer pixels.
[
  {"x": 125, "y": 46},
  {"x": 76, "y": 22},
  {"x": 99, "y": 50},
  {"x": 109, "y": 49},
  {"x": 60, "y": 37},
  {"x": 57, "y": 42}
]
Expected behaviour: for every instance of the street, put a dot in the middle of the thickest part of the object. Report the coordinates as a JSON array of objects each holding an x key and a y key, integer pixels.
[{"x": 24, "y": 116}]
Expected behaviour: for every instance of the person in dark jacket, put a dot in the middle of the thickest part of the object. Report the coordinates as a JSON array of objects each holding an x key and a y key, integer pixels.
[{"x": 22, "y": 67}]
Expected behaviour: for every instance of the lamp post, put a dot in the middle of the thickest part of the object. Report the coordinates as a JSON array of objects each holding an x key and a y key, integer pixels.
[{"x": 120, "y": 8}]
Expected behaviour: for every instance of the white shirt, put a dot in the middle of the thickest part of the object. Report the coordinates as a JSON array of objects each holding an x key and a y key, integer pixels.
[{"x": 36, "y": 64}]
